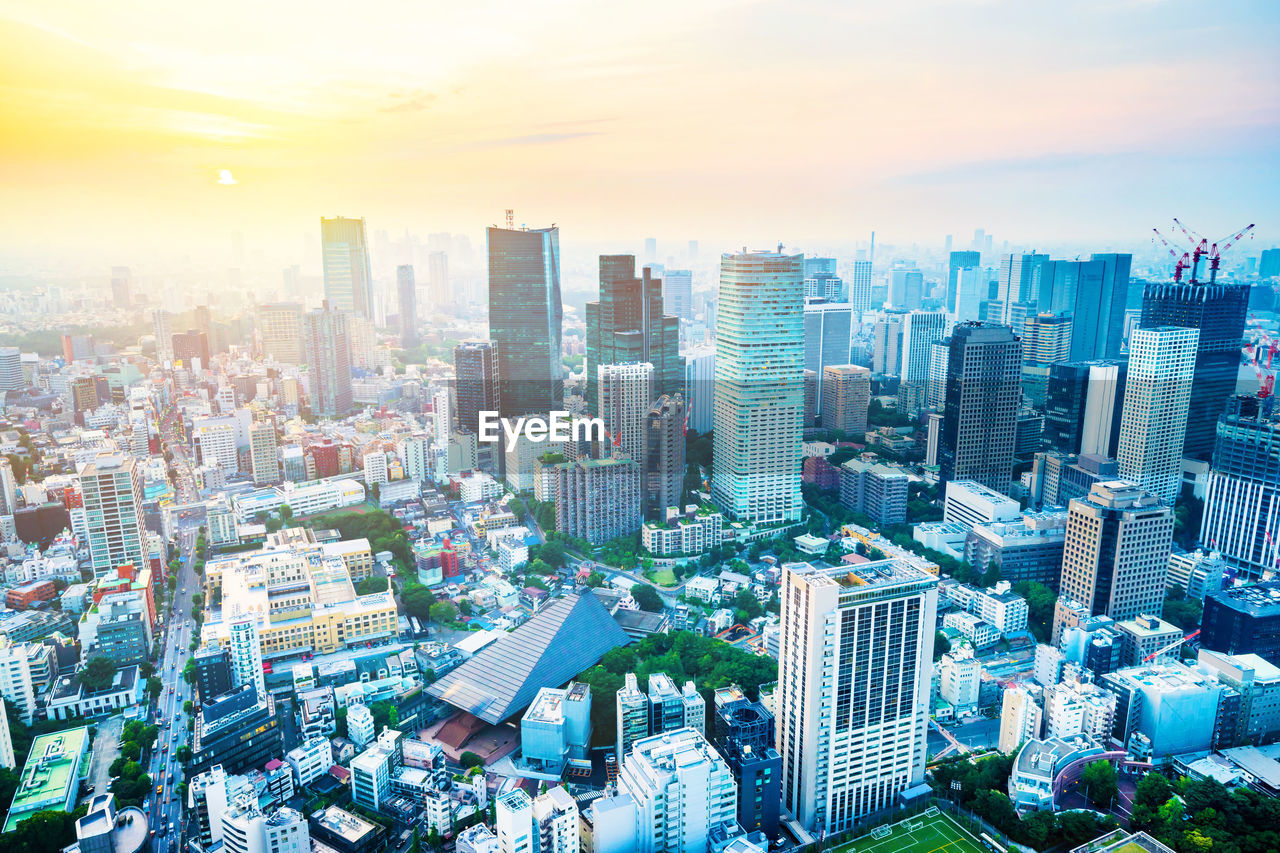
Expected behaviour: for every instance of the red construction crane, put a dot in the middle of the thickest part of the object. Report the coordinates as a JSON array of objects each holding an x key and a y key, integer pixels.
[
  {"x": 1170, "y": 647},
  {"x": 1182, "y": 262},
  {"x": 1262, "y": 369},
  {"x": 1215, "y": 254},
  {"x": 1201, "y": 248}
]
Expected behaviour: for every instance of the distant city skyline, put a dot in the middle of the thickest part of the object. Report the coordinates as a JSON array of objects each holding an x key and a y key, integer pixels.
[{"x": 120, "y": 123}]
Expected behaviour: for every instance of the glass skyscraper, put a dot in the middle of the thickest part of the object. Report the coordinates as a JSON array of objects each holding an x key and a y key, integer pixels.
[
  {"x": 1093, "y": 294},
  {"x": 525, "y": 316},
  {"x": 348, "y": 283},
  {"x": 628, "y": 325},
  {"x": 759, "y": 388}
]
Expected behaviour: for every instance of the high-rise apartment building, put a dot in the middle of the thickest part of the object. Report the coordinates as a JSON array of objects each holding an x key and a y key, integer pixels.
[
  {"x": 1020, "y": 718},
  {"x": 407, "y": 302},
  {"x": 628, "y": 325},
  {"x": 264, "y": 455},
  {"x": 348, "y": 283},
  {"x": 886, "y": 344},
  {"x": 327, "y": 346},
  {"x": 1083, "y": 403},
  {"x": 438, "y": 280},
  {"x": 665, "y": 708},
  {"x": 846, "y": 394},
  {"x": 112, "y": 492},
  {"x": 598, "y": 499},
  {"x": 1218, "y": 312},
  {"x": 1046, "y": 341},
  {"x": 860, "y": 285},
  {"x": 677, "y": 293},
  {"x": 245, "y": 649},
  {"x": 745, "y": 736},
  {"x": 625, "y": 391},
  {"x": 1242, "y": 498},
  {"x": 216, "y": 446},
  {"x": 1116, "y": 555},
  {"x": 984, "y": 393},
  {"x": 476, "y": 385},
  {"x": 280, "y": 331},
  {"x": 664, "y": 461},
  {"x": 247, "y": 829},
  {"x": 853, "y": 696},
  {"x": 525, "y": 316},
  {"x": 759, "y": 387},
  {"x": 1153, "y": 420},
  {"x": 162, "y": 324}
]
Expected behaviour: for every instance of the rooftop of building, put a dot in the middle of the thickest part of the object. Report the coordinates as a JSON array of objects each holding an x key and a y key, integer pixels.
[
  {"x": 1164, "y": 677},
  {"x": 1146, "y": 626},
  {"x": 49, "y": 773},
  {"x": 873, "y": 575},
  {"x": 348, "y": 826},
  {"x": 1259, "y": 599}
]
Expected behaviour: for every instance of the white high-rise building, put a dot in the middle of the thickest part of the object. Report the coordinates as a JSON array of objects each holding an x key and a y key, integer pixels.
[
  {"x": 246, "y": 653},
  {"x": 7, "y": 758},
  {"x": 960, "y": 679},
  {"x": 163, "y": 330},
  {"x": 681, "y": 788},
  {"x": 112, "y": 493},
  {"x": 920, "y": 331},
  {"x": 245, "y": 829},
  {"x": 759, "y": 387},
  {"x": 442, "y": 407},
  {"x": 972, "y": 285},
  {"x": 264, "y": 453},
  {"x": 415, "y": 455},
  {"x": 375, "y": 467},
  {"x": 1157, "y": 394},
  {"x": 513, "y": 823},
  {"x": 860, "y": 284},
  {"x": 1020, "y": 718},
  {"x": 217, "y": 446},
  {"x": 25, "y": 670},
  {"x": 624, "y": 394},
  {"x": 853, "y": 693},
  {"x": 360, "y": 725},
  {"x": 555, "y": 816}
]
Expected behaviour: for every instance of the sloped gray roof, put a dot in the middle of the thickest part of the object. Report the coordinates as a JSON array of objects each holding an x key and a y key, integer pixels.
[{"x": 565, "y": 637}]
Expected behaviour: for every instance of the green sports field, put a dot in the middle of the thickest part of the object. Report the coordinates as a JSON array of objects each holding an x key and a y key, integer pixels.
[{"x": 937, "y": 834}]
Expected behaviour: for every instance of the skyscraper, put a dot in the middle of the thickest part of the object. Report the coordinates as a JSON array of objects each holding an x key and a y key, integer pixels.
[
  {"x": 664, "y": 455},
  {"x": 846, "y": 392},
  {"x": 598, "y": 499},
  {"x": 860, "y": 283},
  {"x": 1154, "y": 418},
  {"x": 438, "y": 281},
  {"x": 853, "y": 691},
  {"x": 263, "y": 454},
  {"x": 327, "y": 346},
  {"x": 1242, "y": 497},
  {"x": 677, "y": 293},
  {"x": 121, "y": 287},
  {"x": 525, "y": 316},
  {"x": 1091, "y": 291},
  {"x": 408, "y": 305},
  {"x": 759, "y": 388},
  {"x": 1015, "y": 283},
  {"x": 1083, "y": 404},
  {"x": 1218, "y": 311},
  {"x": 828, "y": 330},
  {"x": 625, "y": 393},
  {"x": 112, "y": 492},
  {"x": 628, "y": 324},
  {"x": 162, "y": 323},
  {"x": 476, "y": 383},
  {"x": 348, "y": 284},
  {"x": 1046, "y": 340},
  {"x": 979, "y": 422},
  {"x": 906, "y": 288},
  {"x": 280, "y": 329},
  {"x": 920, "y": 331},
  {"x": 886, "y": 344},
  {"x": 957, "y": 262},
  {"x": 1116, "y": 555}
]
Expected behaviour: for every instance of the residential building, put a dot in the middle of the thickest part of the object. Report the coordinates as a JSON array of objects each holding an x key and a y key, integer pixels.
[
  {"x": 310, "y": 760},
  {"x": 513, "y": 823},
  {"x": 628, "y": 325},
  {"x": 625, "y": 393},
  {"x": 1196, "y": 574},
  {"x": 112, "y": 492},
  {"x": 525, "y": 316},
  {"x": 1257, "y": 680},
  {"x": 239, "y": 730},
  {"x": 979, "y": 420},
  {"x": 407, "y": 303},
  {"x": 664, "y": 709},
  {"x": 960, "y": 679},
  {"x": 263, "y": 453},
  {"x": 1020, "y": 717},
  {"x": 598, "y": 499},
  {"x": 348, "y": 283},
  {"x": 759, "y": 393},
  {"x": 555, "y": 819},
  {"x": 216, "y": 446},
  {"x": 745, "y": 737},
  {"x": 1147, "y": 638},
  {"x": 247, "y": 829},
  {"x": 1154, "y": 417},
  {"x": 326, "y": 338},
  {"x": 846, "y": 394},
  {"x": 373, "y": 769},
  {"x": 875, "y": 490}
]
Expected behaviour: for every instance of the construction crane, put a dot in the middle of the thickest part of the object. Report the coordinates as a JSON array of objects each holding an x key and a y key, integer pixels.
[
  {"x": 1171, "y": 646},
  {"x": 1215, "y": 254},
  {"x": 1262, "y": 369},
  {"x": 1181, "y": 262},
  {"x": 1202, "y": 248}
]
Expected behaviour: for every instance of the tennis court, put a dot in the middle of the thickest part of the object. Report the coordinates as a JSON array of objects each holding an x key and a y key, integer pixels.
[{"x": 930, "y": 832}]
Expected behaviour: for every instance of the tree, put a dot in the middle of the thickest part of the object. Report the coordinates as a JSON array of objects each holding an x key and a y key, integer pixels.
[
  {"x": 747, "y": 606},
  {"x": 554, "y": 554},
  {"x": 97, "y": 673},
  {"x": 372, "y": 584},
  {"x": 647, "y": 597},
  {"x": 541, "y": 567},
  {"x": 155, "y": 687},
  {"x": 1099, "y": 779},
  {"x": 286, "y": 512},
  {"x": 941, "y": 645},
  {"x": 273, "y": 525},
  {"x": 595, "y": 579},
  {"x": 1182, "y": 611},
  {"x": 45, "y": 832},
  {"x": 183, "y": 753},
  {"x": 1040, "y": 603},
  {"x": 444, "y": 611},
  {"x": 130, "y": 751},
  {"x": 470, "y": 759}
]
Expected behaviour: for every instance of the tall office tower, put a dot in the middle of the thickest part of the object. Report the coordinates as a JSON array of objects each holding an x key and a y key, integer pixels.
[
  {"x": 628, "y": 325},
  {"x": 935, "y": 388},
  {"x": 264, "y": 454},
  {"x": 1015, "y": 284},
  {"x": 973, "y": 289},
  {"x": 1046, "y": 341},
  {"x": 525, "y": 316},
  {"x": 476, "y": 383},
  {"x": 326, "y": 338},
  {"x": 759, "y": 388},
  {"x": 699, "y": 383},
  {"x": 906, "y": 288},
  {"x": 824, "y": 286},
  {"x": 920, "y": 331},
  {"x": 677, "y": 767},
  {"x": 1092, "y": 292},
  {"x": 625, "y": 393},
  {"x": 980, "y": 418},
  {"x": 8, "y": 488},
  {"x": 846, "y": 392},
  {"x": 860, "y": 284},
  {"x": 958, "y": 261},
  {"x": 121, "y": 287},
  {"x": 1116, "y": 555},
  {"x": 348, "y": 284},
  {"x": 1153, "y": 421},
  {"x": 1218, "y": 311},
  {"x": 1083, "y": 402},
  {"x": 886, "y": 345},
  {"x": 1242, "y": 497},
  {"x": 853, "y": 688},
  {"x": 407, "y": 291},
  {"x": 439, "y": 292},
  {"x": 246, "y": 652},
  {"x": 828, "y": 330},
  {"x": 112, "y": 492},
  {"x": 745, "y": 736},
  {"x": 677, "y": 293},
  {"x": 664, "y": 455},
  {"x": 10, "y": 369},
  {"x": 280, "y": 329},
  {"x": 598, "y": 499},
  {"x": 162, "y": 326}
]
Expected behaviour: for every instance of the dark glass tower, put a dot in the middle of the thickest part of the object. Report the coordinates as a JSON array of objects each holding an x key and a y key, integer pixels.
[
  {"x": 627, "y": 325},
  {"x": 1218, "y": 311},
  {"x": 959, "y": 261},
  {"x": 744, "y": 736},
  {"x": 984, "y": 393},
  {"x": 525, "y": 316},
  {"x": 1084, "y": 398},
  {"x": 406, "y": 290},
  {"x": 474, "y": 365},
  {"x": 1093, "y": 292}
]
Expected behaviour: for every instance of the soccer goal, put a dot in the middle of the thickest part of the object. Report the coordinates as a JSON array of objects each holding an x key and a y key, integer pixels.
[
  {"x": 881, "y": 832},
  {"x": 912, "y": 827},
  {"x": 932, "y": 811}
]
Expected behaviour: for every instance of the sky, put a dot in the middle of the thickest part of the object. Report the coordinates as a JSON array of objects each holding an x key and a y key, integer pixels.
[{"x": 141, "y": 125}]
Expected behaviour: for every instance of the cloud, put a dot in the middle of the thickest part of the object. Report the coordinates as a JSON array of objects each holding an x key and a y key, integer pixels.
[
  {"x": 409, "y": 103},
  {"x": 529, "y": 139}
]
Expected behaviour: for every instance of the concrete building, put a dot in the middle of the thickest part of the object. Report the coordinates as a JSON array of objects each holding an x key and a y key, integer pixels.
[
  {"x": 599, "y": 499},
  {"x": 960, "y": 679},
  {"x": 1197, "y": 573},
  {"x": 1258, "y": 682},
  {"x": 970, "y": 502},
  {"x": 625, "y": 393},
  {"x": 831, "y": 720},
  {"x": 1243, "y": 620},
  {"x": 875, "y": 490},
  {"x": 845, "y": 396},
  {"x": 1154, "y": 418},
  {"x": 280, "y": 332},
  {"x": 1021, "y": 717},
  {"x": 555, "y": 819},
  {"x": 514, "y": 823},
  {"x": 326, "y": 338},
  {"x": 664, "y": 708},
  {"x": 216, "y": 446},
  {"x": 51, "y": 775},
  {"x": 112, "y": 491},
  {"x": 1145, "y": 636},
  {"x": 920, "y": 331},
  {"x": 1046, "y": 341},
  {"x": 246, "y": 829},
  {"x": 1028, "y": 549},
  {"x": 264, "y": 455},
  {"x": 310, "y": 760},
  {"x": 1242, "y": 494},
  {"x": 1175, "y": 706},
  {"x": 556, "y": 727},
  {"x": 664, "y": 451},
  {"x": 745, "y": 737}
]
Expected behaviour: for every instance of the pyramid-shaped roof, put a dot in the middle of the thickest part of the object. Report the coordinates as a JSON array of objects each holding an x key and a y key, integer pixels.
[{"x": 567, "y": 636}]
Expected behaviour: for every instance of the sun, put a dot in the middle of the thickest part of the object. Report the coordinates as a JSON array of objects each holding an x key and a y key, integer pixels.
[{"x": 225, "y": 178}]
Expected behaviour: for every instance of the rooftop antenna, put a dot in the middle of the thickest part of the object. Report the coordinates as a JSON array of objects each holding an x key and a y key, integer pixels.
[{"x": 511, "y": 219}]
